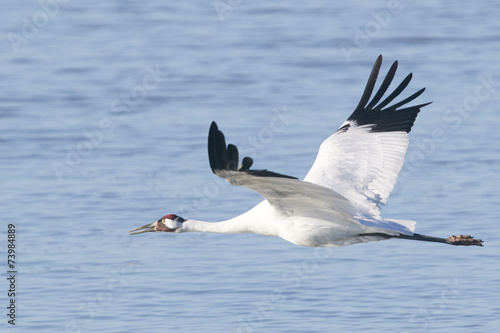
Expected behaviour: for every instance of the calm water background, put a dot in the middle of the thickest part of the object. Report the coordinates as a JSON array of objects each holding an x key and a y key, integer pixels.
[{"x": 93, "y": 144}]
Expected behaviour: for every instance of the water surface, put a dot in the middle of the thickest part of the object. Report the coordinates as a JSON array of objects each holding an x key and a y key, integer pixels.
[{"x": 105, "y": 109}]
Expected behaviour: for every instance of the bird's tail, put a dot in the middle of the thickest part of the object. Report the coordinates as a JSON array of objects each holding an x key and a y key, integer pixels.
[
  {"x": 407, "y": 224},
  {"x": 406, "y": 227}
]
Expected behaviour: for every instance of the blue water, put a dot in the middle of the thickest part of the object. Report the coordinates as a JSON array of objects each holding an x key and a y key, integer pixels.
[{"x": 105, "y": 108}]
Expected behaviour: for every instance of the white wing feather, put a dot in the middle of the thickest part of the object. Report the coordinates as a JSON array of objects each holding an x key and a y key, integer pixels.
[
  {"x": 361, "y": 165},
  {"x": 362, "y": 160},
  {"x": 292, "y": 197}
]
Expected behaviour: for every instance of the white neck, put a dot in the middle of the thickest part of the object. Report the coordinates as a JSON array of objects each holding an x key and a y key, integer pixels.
[
  {"x": 226, "y": 227},
  {"x": 249, "y": 222}
]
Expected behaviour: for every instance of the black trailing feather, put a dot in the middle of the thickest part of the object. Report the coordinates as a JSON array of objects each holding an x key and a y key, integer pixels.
[
  {"x": 385, "y": 119},
  {"x": 224, "y": 157}
]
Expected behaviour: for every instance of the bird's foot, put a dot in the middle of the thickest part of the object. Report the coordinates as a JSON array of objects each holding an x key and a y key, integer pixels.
[{"x": 464, "y": 240}]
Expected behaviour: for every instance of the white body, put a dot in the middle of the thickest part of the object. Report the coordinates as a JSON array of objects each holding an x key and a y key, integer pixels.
[{"x": 317, "y": 229}]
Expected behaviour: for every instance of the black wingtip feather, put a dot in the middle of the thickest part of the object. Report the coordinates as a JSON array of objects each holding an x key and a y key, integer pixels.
[
  {"x": 246, "y": 164},
  {"x": 395, "y": 93},
  {"x": 211, "y": 145},
  {"x": 386, "y": 118},
  {"x": 222, "y": 157},
  {"x": 217, "y": 152},
  {"x": 370, "y": 85},
  {"x": 384, "y": 86},
  {"x": 232, "y": 157}
]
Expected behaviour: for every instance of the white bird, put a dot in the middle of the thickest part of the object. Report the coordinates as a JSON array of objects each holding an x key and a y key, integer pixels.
[{"x": 338, "y": 201}]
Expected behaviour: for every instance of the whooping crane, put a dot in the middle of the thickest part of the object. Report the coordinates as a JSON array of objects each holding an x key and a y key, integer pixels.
[{"x": 338, "y": 201}]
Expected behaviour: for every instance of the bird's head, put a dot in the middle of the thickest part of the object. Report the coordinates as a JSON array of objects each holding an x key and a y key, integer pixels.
[{"x": 168, "y": 223}]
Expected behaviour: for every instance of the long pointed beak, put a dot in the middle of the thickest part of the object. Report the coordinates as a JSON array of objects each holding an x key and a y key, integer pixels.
[{"x": 145, "y": 228}]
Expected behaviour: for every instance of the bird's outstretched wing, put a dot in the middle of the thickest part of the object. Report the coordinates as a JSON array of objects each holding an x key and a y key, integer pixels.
[
  {"x": 287, "y": 194},
  {"x": 363, "y": 158}
]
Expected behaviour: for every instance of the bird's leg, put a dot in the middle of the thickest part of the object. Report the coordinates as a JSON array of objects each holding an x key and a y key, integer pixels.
[
  {"x": 464, "y": 240},
  {"x": 452, "y": 240}
]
